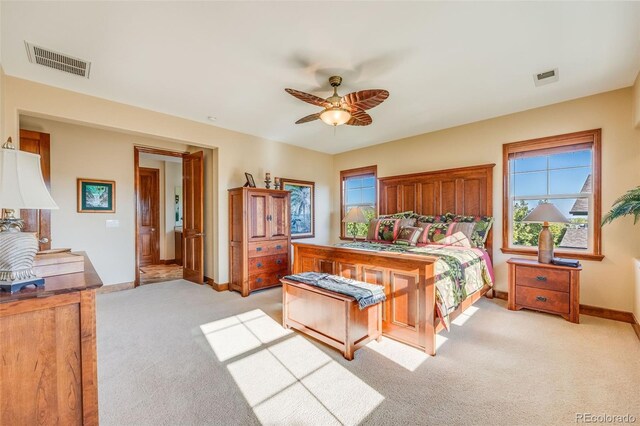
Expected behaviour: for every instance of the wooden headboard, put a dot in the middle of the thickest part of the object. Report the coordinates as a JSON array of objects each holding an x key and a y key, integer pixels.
[{"x": 464, "y": 191}]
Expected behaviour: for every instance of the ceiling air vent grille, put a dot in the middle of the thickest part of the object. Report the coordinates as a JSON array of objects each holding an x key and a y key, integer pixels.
[
  {"x": 59, "y": 61},
  {"x": 546, "y": 77}
]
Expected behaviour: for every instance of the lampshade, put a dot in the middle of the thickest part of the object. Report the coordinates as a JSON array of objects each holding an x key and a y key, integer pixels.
[
  {"x": 355, "y": 215},
  {"x": 335, "y": 116},
  {"x": 21, "y": 183},
  {"x": 546, "y": 212}
]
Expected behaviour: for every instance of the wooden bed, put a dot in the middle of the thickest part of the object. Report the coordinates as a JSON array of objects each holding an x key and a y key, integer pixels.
[{"x": 409, "y": 314}]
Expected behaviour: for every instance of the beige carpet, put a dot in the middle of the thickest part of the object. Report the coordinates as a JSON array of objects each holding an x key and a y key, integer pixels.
[{"x": 177, "y": 353}]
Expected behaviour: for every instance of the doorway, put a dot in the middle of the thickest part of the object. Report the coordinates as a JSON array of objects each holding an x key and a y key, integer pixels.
[{"x": 169, "y": 215}]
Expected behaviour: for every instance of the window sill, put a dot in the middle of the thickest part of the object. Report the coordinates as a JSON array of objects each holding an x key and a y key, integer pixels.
[
  {"x": 351, "y": 239},
  {"x": 564, "y": 254}
]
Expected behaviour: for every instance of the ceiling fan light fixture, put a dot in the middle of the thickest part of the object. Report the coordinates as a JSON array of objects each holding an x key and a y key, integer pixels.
[{"x": 335, "y": 116}]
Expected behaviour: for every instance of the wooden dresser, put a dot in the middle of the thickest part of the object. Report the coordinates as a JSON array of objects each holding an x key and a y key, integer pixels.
[
  {"x": 259, "y": 238},
  {"x": 544, "y": 287},
  {"x": 48, "y": 351}
]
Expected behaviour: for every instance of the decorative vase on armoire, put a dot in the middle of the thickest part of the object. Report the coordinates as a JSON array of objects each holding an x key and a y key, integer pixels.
[{"x": 259, "y": 238}]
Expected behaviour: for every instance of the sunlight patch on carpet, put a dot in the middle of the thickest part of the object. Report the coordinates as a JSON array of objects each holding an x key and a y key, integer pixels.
[
  {"x": 284, "y": 377},
  {"x": 464, "y": 316},
  {"x": 239, "y": 334},
  {"x": 405, "y": 356}
]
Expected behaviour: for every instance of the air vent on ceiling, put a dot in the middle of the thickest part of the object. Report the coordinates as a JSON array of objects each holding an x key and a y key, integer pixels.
[
  {"x": 59, "y": 61},
  {"x": 546, "y": 77}
]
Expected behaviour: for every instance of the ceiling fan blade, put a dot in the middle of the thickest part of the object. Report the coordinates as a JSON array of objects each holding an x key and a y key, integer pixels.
[
  {"x": 309, "y": 98},
  {"x": 308, "y": 118},
  {"x": 359, "y": 118},
  {"x": 365, "y": 99}
]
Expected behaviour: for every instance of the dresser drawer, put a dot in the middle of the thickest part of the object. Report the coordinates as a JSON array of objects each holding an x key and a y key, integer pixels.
[
  {"x": 268, "y": 263},
  {"x": 266, "y": 279},
  {"x": 544, "y": 300},
  {"x": 267, "y": 248},
  {"x": 548, "y": 279}
]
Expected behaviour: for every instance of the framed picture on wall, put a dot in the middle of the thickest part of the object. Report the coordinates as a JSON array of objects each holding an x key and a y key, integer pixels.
[
  {"x": 96, "y": 196},
  {"x": 302, "y": 207}
]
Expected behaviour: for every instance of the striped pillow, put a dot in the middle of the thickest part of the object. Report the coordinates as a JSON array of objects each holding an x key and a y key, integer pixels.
[
  {"x": 455, "y": 233},
  {"x": 383, "y": 229}
]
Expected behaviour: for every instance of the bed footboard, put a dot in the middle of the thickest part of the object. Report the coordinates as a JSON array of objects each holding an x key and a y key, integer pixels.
[{"x": 408, "y": 315}]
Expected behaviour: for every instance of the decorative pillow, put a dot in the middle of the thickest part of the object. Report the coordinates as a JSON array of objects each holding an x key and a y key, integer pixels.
[
  {"x": 458, "y": 240},
  {"x": 482, "y": 226},
  {"x": 433, "y": 232},
  {"x": 402, "y": 215},
  {"x": 383, "y": 229},
  {"x": 443, "y": 218},
  {"x": 454, "y": 233},
  {"x": 408, "y": 236}
]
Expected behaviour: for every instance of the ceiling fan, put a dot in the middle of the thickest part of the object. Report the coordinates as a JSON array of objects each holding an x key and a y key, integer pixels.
[{"x": 338, "y": 110}]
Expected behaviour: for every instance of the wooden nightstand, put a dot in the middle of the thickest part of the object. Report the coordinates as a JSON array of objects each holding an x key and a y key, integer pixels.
[{"x": 544, "y": 287}]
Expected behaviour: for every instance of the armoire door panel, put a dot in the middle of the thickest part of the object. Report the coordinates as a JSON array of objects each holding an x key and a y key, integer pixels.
[
  {"x": 278, "y": 218},
  {"x": 258, "y": 220}
]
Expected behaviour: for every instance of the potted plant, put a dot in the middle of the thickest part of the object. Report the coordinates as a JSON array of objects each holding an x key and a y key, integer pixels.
[{"x": 628, "y": 204}]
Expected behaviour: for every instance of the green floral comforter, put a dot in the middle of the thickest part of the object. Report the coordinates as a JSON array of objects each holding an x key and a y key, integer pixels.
[{"x": 459, "y": 271}]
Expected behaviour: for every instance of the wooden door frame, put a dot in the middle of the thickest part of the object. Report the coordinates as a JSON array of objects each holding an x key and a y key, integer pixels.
[{"x": 137, "y": 150}]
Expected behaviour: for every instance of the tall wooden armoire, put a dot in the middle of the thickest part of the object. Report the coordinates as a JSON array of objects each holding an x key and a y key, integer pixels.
[{"x": 259, "y": 238}]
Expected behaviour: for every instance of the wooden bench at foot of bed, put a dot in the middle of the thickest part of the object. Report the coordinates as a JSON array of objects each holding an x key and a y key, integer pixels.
[{"x": 332, "y": 318}]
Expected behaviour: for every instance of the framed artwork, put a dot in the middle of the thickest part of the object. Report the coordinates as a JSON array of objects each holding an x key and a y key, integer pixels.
[
  {"x": 96, "y": 196},
  {"x": 250, "y": 182},
  {"x": 302, "y": 207}
]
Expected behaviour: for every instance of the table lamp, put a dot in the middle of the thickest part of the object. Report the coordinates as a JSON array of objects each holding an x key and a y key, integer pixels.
[
  {"x": 21, "y": 187},
  {"x": 355, "y": 215},
  {"x": 545, "y": 213}
]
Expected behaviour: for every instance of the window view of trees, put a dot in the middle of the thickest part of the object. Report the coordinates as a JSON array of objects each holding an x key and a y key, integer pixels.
[
  {"x": 359, "y": 191},
  {"x": 562, "y": 178}
]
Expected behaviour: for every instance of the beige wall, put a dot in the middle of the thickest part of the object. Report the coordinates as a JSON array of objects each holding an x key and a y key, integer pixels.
[
  {"x": 609, "y": 283},
  {"x": 79, "y": 151},
  {"x": 235, "y": 154}
]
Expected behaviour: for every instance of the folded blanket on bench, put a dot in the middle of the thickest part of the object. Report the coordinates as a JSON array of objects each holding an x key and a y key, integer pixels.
[{"x": 364, "y": 293}]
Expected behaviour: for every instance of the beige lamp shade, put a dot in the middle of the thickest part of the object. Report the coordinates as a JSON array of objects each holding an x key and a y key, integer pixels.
[
  {"x": 356, "y": 215},
  {"x": 546, "y": 212},
  {"x": 21, "y": 183}
]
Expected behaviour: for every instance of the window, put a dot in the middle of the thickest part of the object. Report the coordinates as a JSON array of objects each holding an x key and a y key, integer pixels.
[
  {"x": 358, "y": 188},
  {"x": 563, "y": 170}
]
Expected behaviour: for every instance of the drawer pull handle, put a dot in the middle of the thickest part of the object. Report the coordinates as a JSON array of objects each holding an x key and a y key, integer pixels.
[
  {"x": 278, "y": 247},
  {"x": 541, "y": 298},
  {"x": 279, "y": 262},
  {"x": 258, "y": 280},
  {"x": 541, "y": 278},
  {"x": 258, "y": 248},
  {"x": 259, "y": 265}
]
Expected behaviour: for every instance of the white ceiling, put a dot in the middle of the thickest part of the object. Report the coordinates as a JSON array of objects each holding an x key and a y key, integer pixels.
[{"x": 444, "y": 64}]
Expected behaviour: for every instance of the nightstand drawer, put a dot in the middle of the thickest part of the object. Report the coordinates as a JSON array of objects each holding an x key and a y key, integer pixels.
[
  {"x": 548, "y": 279},
  {"x": 544, "y": 300}
]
